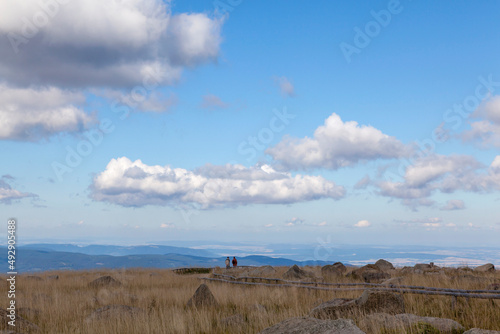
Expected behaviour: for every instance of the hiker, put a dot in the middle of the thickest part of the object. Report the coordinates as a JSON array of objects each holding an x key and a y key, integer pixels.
[
  {"x": 228, "y": 263},
  {"x": 235, "y": 262}
]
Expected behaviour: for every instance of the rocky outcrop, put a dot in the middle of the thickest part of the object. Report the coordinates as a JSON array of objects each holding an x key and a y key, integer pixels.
[
  {"x": 313, "y": 326},
  {"x": 369, "y": 302},
  {"x": 370, "y": 274},
  {"x": 262, "y": 271},
  {"x": 336, "y": 269},
  {"x": 485, "y": 268},
  {"x": 384, "y": 265},
  {"x": 405, "y": 322},
  {"x": 202, "y": 297},
  {"x": 105, "y": 281},
  {"x": 295, "y": 273}
]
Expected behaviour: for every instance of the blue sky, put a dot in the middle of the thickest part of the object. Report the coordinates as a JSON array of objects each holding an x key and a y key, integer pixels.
[{"x": 361, "y": 123}]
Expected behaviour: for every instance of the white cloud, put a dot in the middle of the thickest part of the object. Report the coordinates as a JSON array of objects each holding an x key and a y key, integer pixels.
[
  {"x": 9, "y": 195},
  {"x": 363, "y": 223},
  {"x": 336, "y": 144},
  {"x": 100, "y": 43},
  {"x": 130, "y": 183},
  {"x": 286, "y": 87},
  {"x": 169, "y": 225},
  {"x": 454, "y": 204},
  {"x": 31, "y": 114},
  {"x": 323, "y": 223},
  {"x": 268, "y": 225},
  {"x": 213, "y": 102},
  {"x": 446, "y": 174},
  {"x": 486, "y": 131}
]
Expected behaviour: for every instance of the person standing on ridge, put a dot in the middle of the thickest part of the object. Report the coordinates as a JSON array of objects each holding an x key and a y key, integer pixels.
[
  {"x": 228, "y": 263},
  {"x": 235, "y": 262}
]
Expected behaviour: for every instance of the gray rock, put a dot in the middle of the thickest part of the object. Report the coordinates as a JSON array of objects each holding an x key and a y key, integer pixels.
[
  {"x": 234, "y": 320},
  {"x": 262, "y": 271},
  {"x": 369, "y": 302},
  {"x": 393, "y": 281},
  {"x": 313, "y": 326},
  {"x": 202, "y": 297},
  {"x": 370, "y": 274},
  {"x": 481, "y": 331},
  {"x": 403, "y": 323},
  {"x": 485, "y": 268},
  {"x": 336, "y": 269},
  {"x": 295, "y": 273},
  {"x": 105, "y": 281},
  {"x": 384, "y": 265},
  {"x": 33, "y": 278}
]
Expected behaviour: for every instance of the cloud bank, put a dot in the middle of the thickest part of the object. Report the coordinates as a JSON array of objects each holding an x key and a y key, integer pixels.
[{"x": 133, "y": 183}]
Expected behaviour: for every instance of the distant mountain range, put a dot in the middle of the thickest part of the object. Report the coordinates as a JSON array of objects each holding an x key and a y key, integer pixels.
[{"x": 43, "y": 257}]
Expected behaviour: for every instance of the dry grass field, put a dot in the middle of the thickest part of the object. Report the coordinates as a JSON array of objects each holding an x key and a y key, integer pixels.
[{"x": 63, "y": 305}]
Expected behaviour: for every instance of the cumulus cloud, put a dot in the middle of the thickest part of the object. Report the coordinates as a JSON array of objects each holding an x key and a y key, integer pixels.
[
  {"x": 454, "y": 204},
  {"x": 133, "y": 183},
  {"x": 336, "y": 144},
  {"x": 363, "y": 223},
  {"x": 31, "y": 114},
  {"x": 486, "y": 131},
  {"x": 8, "y": 194},
  {"x": 294, "y": 221},
  {"x": 213, "y": 102},
  {"x": 102, "y": 43},
  {"x": 286, "y": 87},
  {"x": 445, "y": 174}
]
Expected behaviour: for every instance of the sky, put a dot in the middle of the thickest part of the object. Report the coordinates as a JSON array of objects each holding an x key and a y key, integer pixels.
[{"x": 148, "y": 121}]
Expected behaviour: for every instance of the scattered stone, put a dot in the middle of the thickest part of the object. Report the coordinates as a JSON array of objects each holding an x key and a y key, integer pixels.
[
  {"x": 202, "y": 297},
  {"x": 313, "y": 326},
  {"x": 384, "y": 265},
  {"x": 404, "y": 322},
  {"x": 485, "y": 268},
  {"x": 262, "y": 271},
  {"x": 22, "y": 324},
  {"x": 105, "y": 281},
  {"x": 481, "y": 331},
  {"x": 369, "y": 302},
  {"x": 370, "y": 274},
  {"x": 393, "y": 281},
  {"x": 114, "y": 311},
  {"x": 234, "y": 320},
  {"x": 53, "y": 277},
  {"x": 336, "y": 269},
  {"x": 33, "y": 278},
  {"x": 295, "y": 273}
]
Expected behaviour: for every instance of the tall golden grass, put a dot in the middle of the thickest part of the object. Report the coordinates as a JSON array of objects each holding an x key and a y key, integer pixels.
[{"x": 62, "y": 305}]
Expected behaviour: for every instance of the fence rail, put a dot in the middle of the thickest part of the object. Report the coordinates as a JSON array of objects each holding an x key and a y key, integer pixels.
[{"x": 479, "y": 294}]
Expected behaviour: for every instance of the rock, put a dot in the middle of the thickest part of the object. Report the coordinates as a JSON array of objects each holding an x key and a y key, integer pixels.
[
  {"x": 494, "y": 286},
  {"x": 481, "y": 331},
  {"x": 258, "y": 308},
  {"x": 262, "y": 271},
  {"x": 405, "y": 322},
  {"x": 234, "y": 320},
  {"x": 370, "y": 274},
  {"x": 485, "y": 268},
  {"x": 202, "y": 297},
  {"x": 114, "y": 311},
  {"x": 22, "y": 324},
  {"x": 336, "y": 269},
  {"x": 313, "y": 326},
  {"x": 393, "y": 281},
  {"x": 371, "y": 301},
  {"x": 105, "y": 281},
  {"x": 384, "y": 265},
  {"x": 295, "y": 273},
  {"x": 33, "y": 278},
  {"x": 53, "y": 277},
  {"x": 420, "y": 268}
]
